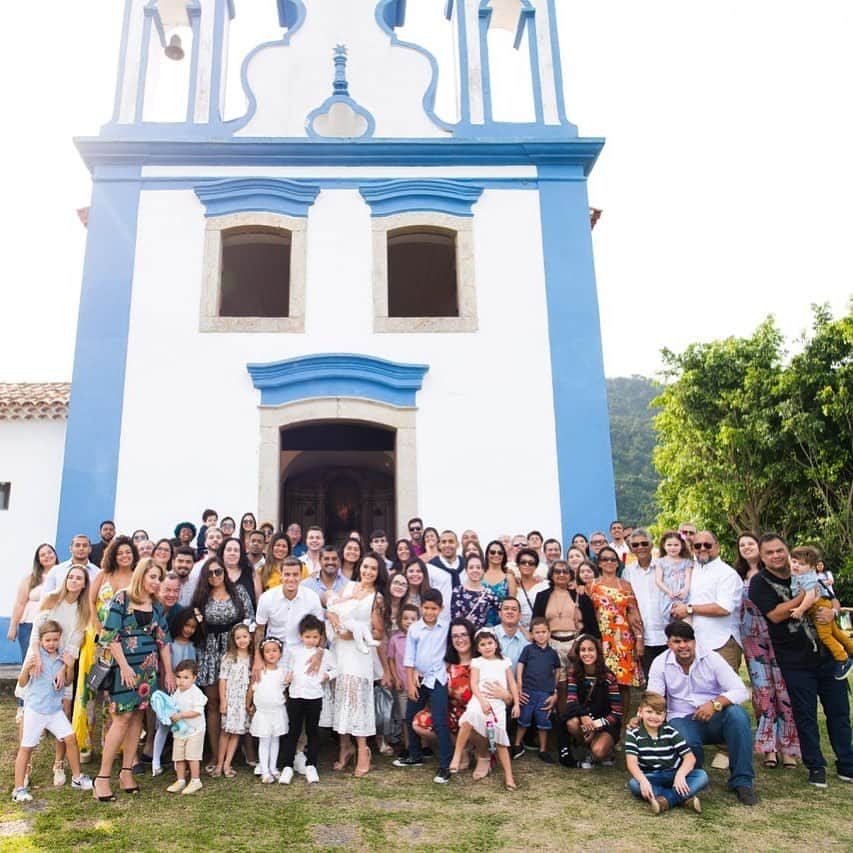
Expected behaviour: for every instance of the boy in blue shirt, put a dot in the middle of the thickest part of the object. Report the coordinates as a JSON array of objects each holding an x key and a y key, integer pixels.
[{"x": 43, "y": 710}]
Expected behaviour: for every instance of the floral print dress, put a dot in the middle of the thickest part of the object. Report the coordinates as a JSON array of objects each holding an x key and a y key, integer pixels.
[
  {"x": 617, "y": 639},
  {"x": 142, "y": 635}
]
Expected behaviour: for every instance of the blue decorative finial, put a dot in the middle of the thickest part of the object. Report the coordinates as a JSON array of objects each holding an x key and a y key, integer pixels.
[{"x": 340, "y": 86}]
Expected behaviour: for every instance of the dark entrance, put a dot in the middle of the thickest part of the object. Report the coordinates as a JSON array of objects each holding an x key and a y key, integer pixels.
[{"x": 339, "y": 476}]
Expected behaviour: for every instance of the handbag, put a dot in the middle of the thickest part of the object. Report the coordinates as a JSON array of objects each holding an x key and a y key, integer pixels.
[
  {"x": 387, "y": 725},
  {"x": 98, "y": 675}
]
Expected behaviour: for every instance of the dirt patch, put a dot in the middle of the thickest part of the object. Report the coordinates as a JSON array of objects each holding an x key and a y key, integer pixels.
[
  {"x": 14, "y": 827},
  {"x": 337, "y": 835}
]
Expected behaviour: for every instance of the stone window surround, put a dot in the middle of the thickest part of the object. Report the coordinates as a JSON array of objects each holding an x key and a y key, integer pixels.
[
  {"x": 342, "y": 409},
  {"x": 465, "y": 282},
  {"x": 209, "y": 319}
]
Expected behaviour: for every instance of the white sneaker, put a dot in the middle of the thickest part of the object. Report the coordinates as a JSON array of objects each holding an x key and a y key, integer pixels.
[
  {"x": 586, "y": 764},
  {"x": 59, "y": 776},
  {"x": 82, "y": 783},
  {"x": 21, "y": 795},
  {"x": 300, "y": 763},
  {"x": 195, "y": 785},
  {"x": 286, "y": 776},
  {"x": 311, "y": 775},
  {"x": 177, "y": 787},
  {"x": 721, "y": 761},
  {"x": 156, "y": 770},
  {"x": 258, "y": 771}
]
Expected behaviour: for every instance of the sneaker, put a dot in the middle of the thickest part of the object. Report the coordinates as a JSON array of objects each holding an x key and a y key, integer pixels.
[
  {"x": 610, "y": 761},
  {"x": 195, "y": 785},
  {"x": 442, "y": 777},
  {"x": 82, "y": 783},
  {"x": 59, "y": 776},
  {"x": 692, "y": 804},
  {"x": 842, "y": 670},
  {"x": 258, "y": 771},
  {"x": 286, "y": 776},
  {"x": 586, "y": 763},
  {"x": 567, "y": 759},
  {"x": 516, "y": 751},
  {"x": 546, "y": 757},
  {"x": 156, "y": 770},
  {"x": 659, "y": 805},
  {"x": 817, "y": 777},
  {"x": 300, "y": 763},
  {"x": 21, "y": 795},
  {"x": 311, "y": 775},
  {"x": 408, "y": 761},
  {"x": 746, "y": 795},
  {"x": 844, "y": 777},
  {"x": 177, "y": 787},
  {"x": 403, "y": 753},
  {"x": 721, "y": 761}
]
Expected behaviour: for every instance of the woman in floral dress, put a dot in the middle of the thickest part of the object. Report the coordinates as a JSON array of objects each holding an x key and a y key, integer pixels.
[
  {"x": 136, "y": 633},
  {"x": 775, "y": 730},
  {"x": 620, "y": 624}
]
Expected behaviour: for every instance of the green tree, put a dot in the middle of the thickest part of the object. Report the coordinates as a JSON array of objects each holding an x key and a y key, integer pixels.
[
  {"x": 632, "y": 437},
  {"x": 723, "y": 457}
]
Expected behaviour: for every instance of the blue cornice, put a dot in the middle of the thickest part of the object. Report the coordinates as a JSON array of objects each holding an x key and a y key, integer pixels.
[
  {"x": 337, "y": 375},
  {"x": 579, "y": 152},
  {"x": 272, "y": 195},
  {"x": 387, "y": 198}
]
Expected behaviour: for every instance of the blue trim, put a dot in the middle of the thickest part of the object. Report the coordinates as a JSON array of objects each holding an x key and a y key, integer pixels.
[
  {"x": 484, "y": 20},
  {"x": 428, "y": 100},
  {"x": 394, "y": 13},
  {"x": 533, "y": 49},
  {"x": 401, "y": 196},
  {"x": 337, "y": 375},
  {"x": 462, "y": 41},
  {"x": 577, "y": 369},
  {"x": 167, "y": 184},
  {"x": 218, "y": 54},
  {"x": 153, "y": 9},
  {"x": 511, "y": 151},
  {"x": 274, "y": 195},
  {"x": 142, "y": 79},
  {"x": 194, "y": 15},
  {"x": 10, "y": 651},
  {"x": 93, "y": 434},
  {"x": 122, "y": 59},
  {"x": 558, "y": 70},
  {"x": 340, "y": 95},
  {"x": 291, "y": 13}
]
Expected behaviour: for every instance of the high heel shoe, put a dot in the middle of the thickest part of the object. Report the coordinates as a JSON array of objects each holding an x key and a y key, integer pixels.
[
  {"x": 135, "y": 788},
  {"x": 362, "y": 771},
  {"x": 109, "y": 798},
  {"x": 341, "y": 763}
]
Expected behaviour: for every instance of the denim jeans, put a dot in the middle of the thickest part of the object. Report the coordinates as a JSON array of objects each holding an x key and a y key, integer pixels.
[
  {"x": 436, "y": 697},
  {"x": 804, "y": 688},
  {"x": 25, "y": 631},
  {"x": 661, "y": 782},
  {"x": 730, "y": 726}
]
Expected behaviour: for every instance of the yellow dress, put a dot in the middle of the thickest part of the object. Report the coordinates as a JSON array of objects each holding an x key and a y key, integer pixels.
[{"x": 83, "y": 717}]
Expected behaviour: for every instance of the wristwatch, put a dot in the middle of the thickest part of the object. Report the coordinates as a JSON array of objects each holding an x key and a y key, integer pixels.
[
  {"x": 718, "y": 705},
  {"x": 689, "y": 609}
]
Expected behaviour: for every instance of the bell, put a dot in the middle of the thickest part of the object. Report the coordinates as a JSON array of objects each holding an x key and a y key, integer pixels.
[{"x": 174, "y": 49}]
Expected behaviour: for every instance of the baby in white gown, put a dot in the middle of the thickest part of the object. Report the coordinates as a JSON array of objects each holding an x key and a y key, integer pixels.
[{"x": 362, "y": 632}]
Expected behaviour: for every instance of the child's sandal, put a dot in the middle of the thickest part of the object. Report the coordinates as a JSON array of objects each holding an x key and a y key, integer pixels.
[
  {"x": 229, "y": 772},
  {"x": 215, "y": 773}
]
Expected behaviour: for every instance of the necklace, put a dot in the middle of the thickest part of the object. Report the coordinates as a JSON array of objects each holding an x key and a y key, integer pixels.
[{"x": 559, "y": 607}]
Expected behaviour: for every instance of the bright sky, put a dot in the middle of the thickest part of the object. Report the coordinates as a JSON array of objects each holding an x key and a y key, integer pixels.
[{"x": 726, "y": 179}]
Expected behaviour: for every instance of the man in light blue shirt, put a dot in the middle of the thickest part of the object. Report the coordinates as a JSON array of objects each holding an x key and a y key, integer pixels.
[
  {"x": 426, "y": 646},
  {"x": 329, "y": 579},
  {"x": 81, "y": 548},
  {"x": 509, "y": 634}
]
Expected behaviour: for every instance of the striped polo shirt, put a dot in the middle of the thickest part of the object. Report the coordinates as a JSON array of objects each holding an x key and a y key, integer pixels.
[{"x": 665, "y": 752}]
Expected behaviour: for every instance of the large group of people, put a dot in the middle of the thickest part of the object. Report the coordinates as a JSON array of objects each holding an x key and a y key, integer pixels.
[{"x": 235, "y": 639}]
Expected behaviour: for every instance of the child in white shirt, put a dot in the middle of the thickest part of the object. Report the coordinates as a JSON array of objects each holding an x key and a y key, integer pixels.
[{"x": 188, "y": 748}]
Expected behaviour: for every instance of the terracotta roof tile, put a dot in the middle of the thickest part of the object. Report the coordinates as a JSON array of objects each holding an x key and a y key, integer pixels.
[{"x": 28, "y": 401}]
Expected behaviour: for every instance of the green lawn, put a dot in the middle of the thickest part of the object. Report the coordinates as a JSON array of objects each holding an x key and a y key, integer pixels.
[{"x": 394, "y": 810}]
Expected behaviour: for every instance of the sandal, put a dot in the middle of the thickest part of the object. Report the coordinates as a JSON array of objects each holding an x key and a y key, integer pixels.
[
  {"x": 229, "y": 772},
  {"x": 341, "y": 763},
  {"x": 360, "y": 772},
  {"x": 789, "y": 765},
  {"x": 215, "y": 773},
  {"x": 108, "y": 798},
  {"x": 769, "y": 762},
  {"x": 132, "y": 790},
  {"x": 479, "y": 773},
  {"x": 209, "y": 768}
]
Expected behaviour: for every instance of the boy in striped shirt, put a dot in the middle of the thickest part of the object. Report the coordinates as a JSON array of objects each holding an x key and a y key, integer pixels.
[{"x": 661, "y": 765}]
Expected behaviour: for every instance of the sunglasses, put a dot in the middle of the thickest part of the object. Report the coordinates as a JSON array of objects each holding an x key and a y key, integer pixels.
[
  {"x": 495, "y": 553},
  {"x": 597, "y": 541},
  {"x": 415, "y": 529},
  {"x": 217, "y": 572},
  {"x": 643, "y": 544},
  {"x": 608, "y": 559},
  {"x": 526, "y": 562},
  {"x": 699, "y": 546},
  {"x": 559, "y": 571}
]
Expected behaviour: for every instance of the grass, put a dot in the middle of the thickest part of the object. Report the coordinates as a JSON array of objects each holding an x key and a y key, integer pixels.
[{"x": 394, "y": 809}]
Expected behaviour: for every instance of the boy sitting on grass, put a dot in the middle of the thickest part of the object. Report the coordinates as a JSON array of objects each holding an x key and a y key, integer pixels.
[{"x": 660, "y": 762}]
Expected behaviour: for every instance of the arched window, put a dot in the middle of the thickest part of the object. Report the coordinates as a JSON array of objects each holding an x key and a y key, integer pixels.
[
  {"x": 255, "y": 272},
  {"x": 422, "y": 273}
]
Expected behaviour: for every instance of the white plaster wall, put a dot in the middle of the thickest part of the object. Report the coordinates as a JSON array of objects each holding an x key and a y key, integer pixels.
[
  {"x": 480, "y": 465},
  {"x": 31, "y": 459}
]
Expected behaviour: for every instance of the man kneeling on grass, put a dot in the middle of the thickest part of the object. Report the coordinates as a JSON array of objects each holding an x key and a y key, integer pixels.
[{"x": 660, "y": 762}]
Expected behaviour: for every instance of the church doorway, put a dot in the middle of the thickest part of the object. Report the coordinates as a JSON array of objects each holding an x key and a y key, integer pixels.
[{"x": 339, "y": 476}]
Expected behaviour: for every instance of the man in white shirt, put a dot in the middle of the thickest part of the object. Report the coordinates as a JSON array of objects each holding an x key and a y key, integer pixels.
[
  {"x": 641, "y": 575},
  {"x": 280, "y": 609},
  {"x": 314, "y": 541},
  {"x": 716, "y": 591},
  {"x": 81, "y": 547},
  {"x": 446, "y": 571},
  {"x": 617, "y": 541},
  {"x": 212, "y": 540}
]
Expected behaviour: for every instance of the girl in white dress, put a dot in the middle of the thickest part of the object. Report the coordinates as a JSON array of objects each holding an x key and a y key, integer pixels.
[
  {"x": 482, "y": 714},
  {"x": 265, "y": 701},
  {"x": 234, "y": 676}
]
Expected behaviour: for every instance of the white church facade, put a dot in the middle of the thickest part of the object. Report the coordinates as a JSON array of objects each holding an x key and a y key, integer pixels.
[{"x": 339, "y": 308}]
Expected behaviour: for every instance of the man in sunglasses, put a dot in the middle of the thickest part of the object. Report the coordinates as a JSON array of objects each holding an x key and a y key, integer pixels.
[
  {"x": 416, "y": 533},
  {"x": 641, "y": 575},
  {"x": 714, "y": 604}
]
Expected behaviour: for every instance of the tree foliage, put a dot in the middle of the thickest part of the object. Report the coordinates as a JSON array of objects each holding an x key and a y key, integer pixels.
[
  {"x": 632, "y": 437},
  {"x": 751, "y": 440}
]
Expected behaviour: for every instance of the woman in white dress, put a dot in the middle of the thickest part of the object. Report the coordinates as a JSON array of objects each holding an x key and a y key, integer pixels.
[{"x": 354, "y": 715}]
